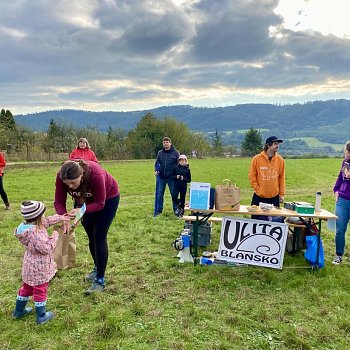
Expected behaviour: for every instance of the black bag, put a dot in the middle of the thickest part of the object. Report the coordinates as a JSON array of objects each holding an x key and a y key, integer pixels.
[
  {"x": 212, "y": 198},
  {"x": 296, "y": 241}
]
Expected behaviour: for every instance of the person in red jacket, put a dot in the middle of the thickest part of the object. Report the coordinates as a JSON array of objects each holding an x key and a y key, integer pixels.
[
  {"x": 87, "y": 182},
  {"x": 2, "y": 191},
  {"x": 83, "y": 151}
]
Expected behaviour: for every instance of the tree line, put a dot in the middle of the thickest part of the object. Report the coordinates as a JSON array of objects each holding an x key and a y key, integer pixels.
[{"x": 142, "y": 142}]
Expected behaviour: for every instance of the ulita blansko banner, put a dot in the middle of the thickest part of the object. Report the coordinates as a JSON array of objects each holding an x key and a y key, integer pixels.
[{"x": 253, "y": 242}]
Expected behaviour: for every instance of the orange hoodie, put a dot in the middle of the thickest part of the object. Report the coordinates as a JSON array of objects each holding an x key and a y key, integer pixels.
[{"x": 267, "y": 177}]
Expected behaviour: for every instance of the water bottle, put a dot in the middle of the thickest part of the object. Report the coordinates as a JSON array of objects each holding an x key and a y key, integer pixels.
[{"x": 318, "y": 202}]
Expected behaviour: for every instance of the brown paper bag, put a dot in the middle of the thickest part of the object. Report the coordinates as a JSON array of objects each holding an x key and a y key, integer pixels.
[
  {"x": 227, "y": 197},
  {"x": 65, "y": 250}
]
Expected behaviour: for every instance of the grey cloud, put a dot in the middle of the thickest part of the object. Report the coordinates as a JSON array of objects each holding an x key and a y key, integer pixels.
[
  {"x": 117, "y": 95},
  {"x": 127, "y": 30},
  {"x": 204, "y": 45},
  {"x": 328, "y": 53},
  {"x": 153, "y": 35},
  {"x": 113, "y": 95},
  {"x": 237, "y": 31},
  {"x": 151, "y": 27}
]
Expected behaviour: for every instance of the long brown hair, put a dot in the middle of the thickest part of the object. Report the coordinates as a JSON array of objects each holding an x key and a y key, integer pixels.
[
  {"x": 347, "y": 145},
  {"x": 72, "y": 169}
]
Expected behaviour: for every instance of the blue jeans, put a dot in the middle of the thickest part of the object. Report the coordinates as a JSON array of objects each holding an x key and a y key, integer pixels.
[
  {"x": 342, "y": 210},
  {"x": 161, "y": 184}
]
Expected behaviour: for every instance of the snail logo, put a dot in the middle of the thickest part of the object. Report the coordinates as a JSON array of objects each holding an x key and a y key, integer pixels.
[
  {"x": 253, "y": 242},
  {"x": 261, "y": 244}
]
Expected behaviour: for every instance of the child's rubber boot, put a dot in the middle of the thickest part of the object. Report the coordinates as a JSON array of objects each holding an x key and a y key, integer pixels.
[
  {"x": 21, "y": 309},
  {"x": 42, "y": 316}
]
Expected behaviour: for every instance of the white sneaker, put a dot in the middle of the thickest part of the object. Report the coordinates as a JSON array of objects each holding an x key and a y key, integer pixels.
[{"x": 337, "y": 260}]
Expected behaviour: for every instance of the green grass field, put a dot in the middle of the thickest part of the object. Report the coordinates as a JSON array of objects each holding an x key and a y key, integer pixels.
[
  {"x": 153, "y": 302},
  {"x": 313, "y": 142}
]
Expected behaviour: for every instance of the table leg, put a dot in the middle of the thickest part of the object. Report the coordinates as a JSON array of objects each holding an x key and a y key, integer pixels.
[{"x": 195, "y": 239}]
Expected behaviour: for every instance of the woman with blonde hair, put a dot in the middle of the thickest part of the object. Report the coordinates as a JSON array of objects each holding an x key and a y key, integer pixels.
[{"x": 83, "y": 151}]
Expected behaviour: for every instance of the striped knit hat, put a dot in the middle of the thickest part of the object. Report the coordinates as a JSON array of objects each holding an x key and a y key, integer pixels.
[{"x": 30, "y": 210}]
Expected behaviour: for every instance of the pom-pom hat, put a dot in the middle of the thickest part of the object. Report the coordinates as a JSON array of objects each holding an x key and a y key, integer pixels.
[{"x": 30, "y": 210}]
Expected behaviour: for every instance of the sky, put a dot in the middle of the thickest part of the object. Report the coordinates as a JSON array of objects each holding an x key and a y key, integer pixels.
[{"x": 123, "y": 55}]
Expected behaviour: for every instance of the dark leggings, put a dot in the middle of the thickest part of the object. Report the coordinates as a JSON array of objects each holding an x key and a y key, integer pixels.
[
  {"x": 182, "y": 190},
  {"x": 2, "y": 192},
  {"x": 96, "y": 226}
]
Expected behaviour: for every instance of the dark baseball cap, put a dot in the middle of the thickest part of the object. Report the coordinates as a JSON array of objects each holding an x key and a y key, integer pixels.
[{"x": 273, "y": 139}]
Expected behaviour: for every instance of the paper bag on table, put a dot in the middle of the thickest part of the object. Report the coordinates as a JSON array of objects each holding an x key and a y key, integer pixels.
[
  {"x": 227, "y": 196},
  {"x": 65, "y": 250}
]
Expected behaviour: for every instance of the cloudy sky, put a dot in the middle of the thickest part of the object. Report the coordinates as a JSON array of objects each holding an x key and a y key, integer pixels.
[{"x": 123, "y": 55}]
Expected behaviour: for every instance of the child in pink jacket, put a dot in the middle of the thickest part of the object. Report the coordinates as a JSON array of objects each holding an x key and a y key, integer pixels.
[{"x": 38, "y": 262}]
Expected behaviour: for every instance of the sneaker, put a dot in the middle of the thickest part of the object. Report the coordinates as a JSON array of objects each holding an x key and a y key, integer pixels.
[
  {"x": 95, "y": 288},
  {"x": 7, "y": 206},
  {"x": 91, "y": 276},
  {"x": 337, "y": 260},
  {"x": 181, "y": 213},
  {"x": 177, "y": 211}
]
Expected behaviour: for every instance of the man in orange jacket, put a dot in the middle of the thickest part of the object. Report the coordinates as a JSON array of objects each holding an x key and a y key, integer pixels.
[{"x": 267, "y": 174}]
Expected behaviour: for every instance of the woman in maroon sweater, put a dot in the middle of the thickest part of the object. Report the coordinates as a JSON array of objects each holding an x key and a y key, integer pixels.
[{"x": 87, "y": 182}]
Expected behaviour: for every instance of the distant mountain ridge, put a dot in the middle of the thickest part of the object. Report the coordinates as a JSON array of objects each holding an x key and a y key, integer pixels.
[{"x": 326, "y": 120}]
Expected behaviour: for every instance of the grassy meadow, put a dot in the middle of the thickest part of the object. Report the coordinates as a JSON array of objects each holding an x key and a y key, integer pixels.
[
  {"x": 314, "y": 142},
  {"x": 153, "y": 302}
]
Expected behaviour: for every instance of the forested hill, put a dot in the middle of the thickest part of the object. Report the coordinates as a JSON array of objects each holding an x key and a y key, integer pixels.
[{"x": 329, "y": 121}]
